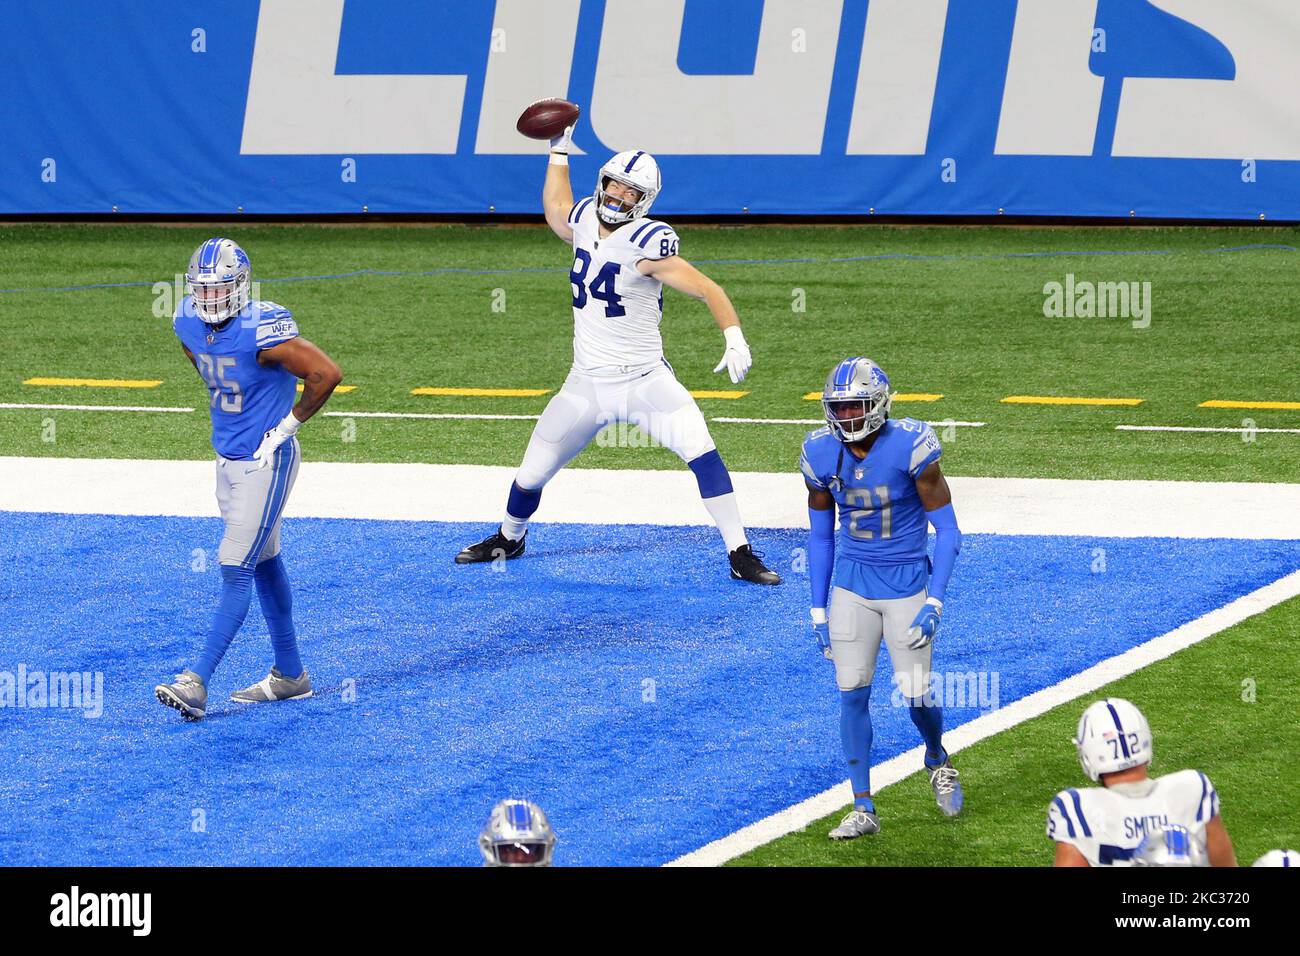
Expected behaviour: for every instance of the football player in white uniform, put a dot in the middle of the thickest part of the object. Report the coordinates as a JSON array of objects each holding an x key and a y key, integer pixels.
[
  {"x": 1106, "y": 825},
  {"x": 621, "y": 262}
]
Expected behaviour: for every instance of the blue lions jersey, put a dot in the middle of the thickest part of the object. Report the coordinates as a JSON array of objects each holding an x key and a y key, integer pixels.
[
  {"x": 883, "y": 525},
  {"x": 247, "y": 399}
]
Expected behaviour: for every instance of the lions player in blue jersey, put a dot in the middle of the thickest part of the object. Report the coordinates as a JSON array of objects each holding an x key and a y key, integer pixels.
[
  {"x": 884, "y": 476},
  {"x": 251, "y": 357}
]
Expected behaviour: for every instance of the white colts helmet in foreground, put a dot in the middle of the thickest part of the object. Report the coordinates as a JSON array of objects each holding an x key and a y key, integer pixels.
[{"x": 1112, "y": 736}]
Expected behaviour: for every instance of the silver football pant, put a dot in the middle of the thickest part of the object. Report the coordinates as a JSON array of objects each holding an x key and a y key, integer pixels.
[
  {"x": 252, "y": 502},
  {"x": 857, "y": 625}
]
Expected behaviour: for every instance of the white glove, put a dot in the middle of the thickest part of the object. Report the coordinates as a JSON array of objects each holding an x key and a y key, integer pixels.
[
  {"x": 736, "y": 359},
  {"x": 561, "y": 143},
  {"x": 273, "y": 439}
]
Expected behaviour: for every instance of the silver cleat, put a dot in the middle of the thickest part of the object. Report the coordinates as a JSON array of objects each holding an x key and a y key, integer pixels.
[
  {"x": 187, "y": 694},
  {"x": 946, "y": 787},
  {"x": 274, "y": 686},
  {"x": 856, "y": 823}
]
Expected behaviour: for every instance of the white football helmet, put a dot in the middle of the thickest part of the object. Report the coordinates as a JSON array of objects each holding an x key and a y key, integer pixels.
[
  {"x": 1278, "y": 858},
  {"x": 220, "y": 279},
  {"x": 635, "y": 168},
  {"x": 517, "y": 833},
  {"x": 1171, "y": 845},
  {"x": 1113, "y": 736}
]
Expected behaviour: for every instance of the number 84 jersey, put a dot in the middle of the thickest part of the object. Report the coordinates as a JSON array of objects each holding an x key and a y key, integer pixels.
[
  {"x": 616, "y": 309},
  {"x": 882, "y": 520}
]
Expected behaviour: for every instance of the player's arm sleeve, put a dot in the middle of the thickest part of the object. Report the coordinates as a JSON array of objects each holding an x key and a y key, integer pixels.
[
  {"x": 947, "y": 535},
  {"x": 275, "y": 326},
  {"x": 655, "y": 240},
  {"x": 821, "y": 539}
]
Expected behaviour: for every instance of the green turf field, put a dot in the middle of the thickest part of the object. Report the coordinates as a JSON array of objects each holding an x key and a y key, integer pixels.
[
  {"x": 955, "y": 311},
  {"x": 945, "y": 310},
  {"x": 1196, "y": 704}
]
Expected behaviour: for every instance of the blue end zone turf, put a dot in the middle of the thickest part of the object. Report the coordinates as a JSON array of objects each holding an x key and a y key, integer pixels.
[{"x": 615, "y": 675}]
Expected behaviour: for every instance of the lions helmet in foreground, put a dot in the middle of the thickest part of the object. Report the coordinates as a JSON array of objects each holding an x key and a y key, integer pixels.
[
  {"x": 517, "y": 833},
  {"x": 1171, "y": 845}
]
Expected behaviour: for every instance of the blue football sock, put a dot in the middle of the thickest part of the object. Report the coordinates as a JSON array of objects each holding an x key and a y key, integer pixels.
[
  {"x": 277, "y": 607},
  {"x": 236, "y": 593},
  {"x": 929, "y": 721},
  {"x": 855, "y": 736}
]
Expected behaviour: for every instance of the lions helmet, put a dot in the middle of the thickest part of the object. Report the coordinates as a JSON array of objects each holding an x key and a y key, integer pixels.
[
  {"x": 635, "y": 168},
  {"x": 856, "y": 399},
  {"x": 1278, "y": 858},
  {"x": 517, "y": 833},
  {"x": 220, "y": 280},
  {"x": 1171, "y": 845},
  {"x": 1112, "y": 736}
]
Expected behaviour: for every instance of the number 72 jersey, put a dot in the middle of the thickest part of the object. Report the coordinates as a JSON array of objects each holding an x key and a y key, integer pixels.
[
  {"x": 616, "y": 309},
  {"x": 882, "y": 520}
]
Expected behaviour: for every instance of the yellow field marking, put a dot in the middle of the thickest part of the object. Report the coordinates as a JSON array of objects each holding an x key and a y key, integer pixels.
[
  {"x": 715, "y": 393},
  {"x": 1062, "y": 400},
  {"x": 1223, "y": 404},
  {"x": 898, "y": 397},
  {"x": 97, "y": 382},
  {"x": 341, "y": 389},
  {"x": 484, "y": 392}
]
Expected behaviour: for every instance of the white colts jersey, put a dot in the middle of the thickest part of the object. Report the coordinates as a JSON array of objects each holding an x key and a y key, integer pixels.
[
  {"x": 1107, "y": 824},
  {"x": 616, "y": 309}
]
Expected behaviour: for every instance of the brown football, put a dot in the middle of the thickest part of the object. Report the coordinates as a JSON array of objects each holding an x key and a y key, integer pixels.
[{"x": 547, "y": 119}]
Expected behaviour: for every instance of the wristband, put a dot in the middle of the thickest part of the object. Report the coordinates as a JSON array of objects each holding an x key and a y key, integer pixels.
[{"x": 818, "y": 615}]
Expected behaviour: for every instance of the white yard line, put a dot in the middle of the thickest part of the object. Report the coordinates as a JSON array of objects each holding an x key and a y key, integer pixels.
[
  {"x": 822, "y": 421},
  {"x": 1188, "y": 428},
  {"x": 466, "y": 416},
  {"x": 1086, "y": 682},
  {"x": 94, "y": 408},
  {"x": 420, "y": 492}
]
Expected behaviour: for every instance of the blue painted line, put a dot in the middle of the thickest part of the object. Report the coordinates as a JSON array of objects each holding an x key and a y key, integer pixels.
[
  {"x": 883, "y": 257},
  {"x": 645, "y": 728}
]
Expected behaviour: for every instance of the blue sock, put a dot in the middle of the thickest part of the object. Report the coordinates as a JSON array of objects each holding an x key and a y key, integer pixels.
[
  {"x": 277, "y": 607},
  {"x": 522, "y": 503},
  {"x": 855, "y": 736},
  {"x": 929, "y": 721},
  {"x": 236, "y": 593},
  {"x": 711, "y": 474}
]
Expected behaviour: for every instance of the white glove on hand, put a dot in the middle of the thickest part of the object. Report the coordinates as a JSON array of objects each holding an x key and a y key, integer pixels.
[
  {"x": 273, "y": 439},
  {"x": 561, "y": 143},
  {"x": 736, "y": 359}
]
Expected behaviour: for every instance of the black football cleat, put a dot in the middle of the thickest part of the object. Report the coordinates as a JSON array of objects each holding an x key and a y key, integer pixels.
[
  {"x": 492, "y": 548},
  {"x": 748, "y": 566}
]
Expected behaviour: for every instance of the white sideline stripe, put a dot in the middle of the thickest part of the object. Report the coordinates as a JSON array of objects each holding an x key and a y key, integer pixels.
[
  {"x": 94, "y": 408},
  {"x": 822, "y": 421},
  {"x": 424, "y": 492},
  {"x": 456, "y": 415},
  {"x": 904, "y": 765},
  {"x": 1188, "y": 428}
]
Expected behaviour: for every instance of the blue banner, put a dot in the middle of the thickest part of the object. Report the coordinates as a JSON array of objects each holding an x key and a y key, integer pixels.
[{"x": 1148, "y": 108}]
